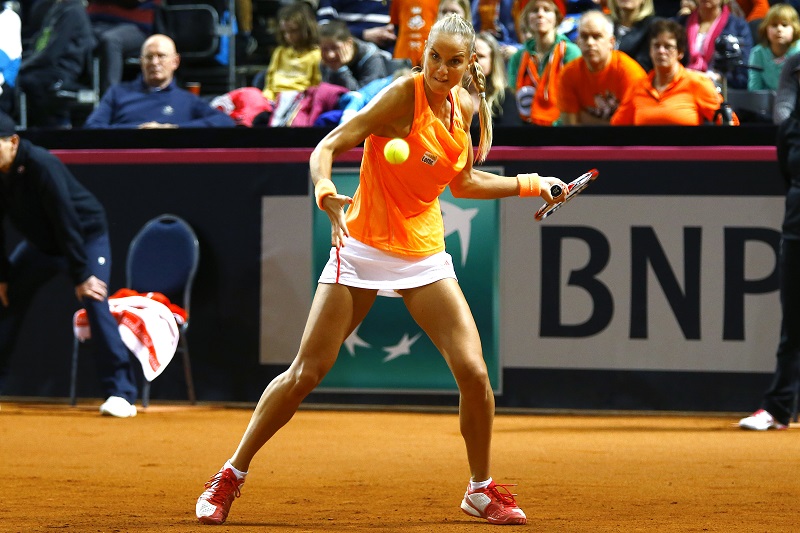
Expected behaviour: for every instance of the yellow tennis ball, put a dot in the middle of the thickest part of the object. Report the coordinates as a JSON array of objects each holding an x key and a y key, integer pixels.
[{"x": 396, "y": 151}]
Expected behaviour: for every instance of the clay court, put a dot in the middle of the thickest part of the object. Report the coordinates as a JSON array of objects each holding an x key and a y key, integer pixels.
[{"x": 369, "y": 471}]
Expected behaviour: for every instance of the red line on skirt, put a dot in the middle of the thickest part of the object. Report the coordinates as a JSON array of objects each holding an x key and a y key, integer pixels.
[{"x": 338, "y": 265}]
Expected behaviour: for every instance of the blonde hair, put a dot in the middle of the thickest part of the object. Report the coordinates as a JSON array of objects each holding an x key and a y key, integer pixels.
[
  {"x": 779, "y": 13},
  {"x": 453, "y": 24},
  {"x": 301, "y": 14},
  {"x": 496, "y": 82},
  {"x": 647, "y": 9},
  {"x": 463, "y": 4}
]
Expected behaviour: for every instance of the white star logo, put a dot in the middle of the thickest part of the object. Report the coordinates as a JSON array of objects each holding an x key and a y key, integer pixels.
[
  {"x": 460, "y": 221},
  {"x": 354, "y": 340},
  {"x": 401, "y": 348}
]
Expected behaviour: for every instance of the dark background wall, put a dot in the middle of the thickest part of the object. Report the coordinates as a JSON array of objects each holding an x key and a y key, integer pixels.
[{"x": 216, "y": 178}]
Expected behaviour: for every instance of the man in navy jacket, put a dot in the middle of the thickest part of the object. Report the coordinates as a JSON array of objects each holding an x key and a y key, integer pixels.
[
  {"x": 64, "y": 230},
  {"x": 153, "y": 100}
]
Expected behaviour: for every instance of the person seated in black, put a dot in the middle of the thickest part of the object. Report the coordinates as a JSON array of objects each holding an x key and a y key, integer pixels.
[{"x": 56, "y": 58}]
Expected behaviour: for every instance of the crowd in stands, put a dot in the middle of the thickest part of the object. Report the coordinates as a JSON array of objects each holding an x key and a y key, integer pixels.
[{"x": 547, "y": 62}]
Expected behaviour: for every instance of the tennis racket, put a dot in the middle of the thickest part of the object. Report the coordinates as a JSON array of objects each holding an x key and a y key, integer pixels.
[{"x": 574, "y": 188}]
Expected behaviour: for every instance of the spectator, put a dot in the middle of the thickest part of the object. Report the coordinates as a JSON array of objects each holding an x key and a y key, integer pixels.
[
  {"x": 32, "y": 15},
  {"x": 121, "y": 27},
  {"x": 521, "y": 25},
  {"x": 533, "y": 72},
  {"x": 64, "y": 230},
  {"x": 786, "y": 97},
  {"x": 246, "y": 44},
  {"x": 60, "y": 54},
  {"x": 153, "y": 100},
  {"x": 368, "y": 20},
  {"x": 752, "y": 10},
  {"x": 778, "y": 36},
  {"x": 497, "y": 18},
  {"x": 632, "y": 20},
  {"x": 10, "y": 54},
  {"x": 295, "y": 63},
  {"x": 777, "y": 402},
  {"x": 347, "y": 61},
  {"x": 671, "y": 94},
  {"x": 459, "y": 7},
  {"x": 686, "y": 9},
  {"x": 412, "y": 20},
  {"x": 498, "y": 94},
  {"x": 711, "y": 20},
  {"x": 592, "y": 87}
]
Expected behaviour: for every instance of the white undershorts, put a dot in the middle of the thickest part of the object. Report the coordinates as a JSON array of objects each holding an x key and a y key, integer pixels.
[{"x": 362, "y": 266}]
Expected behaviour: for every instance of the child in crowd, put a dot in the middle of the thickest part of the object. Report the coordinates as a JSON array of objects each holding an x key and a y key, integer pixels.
[
  {"x": 295, "y": 62},
  {"x": 778, "y": 36},
  {"x": 347, "y": 61}
]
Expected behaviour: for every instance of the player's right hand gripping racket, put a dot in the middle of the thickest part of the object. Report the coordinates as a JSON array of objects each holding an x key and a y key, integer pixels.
[{"x": 574, "y": 188}]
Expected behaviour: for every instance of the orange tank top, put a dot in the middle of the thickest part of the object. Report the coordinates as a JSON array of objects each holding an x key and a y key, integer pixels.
[{"x": 396, "y": 207}]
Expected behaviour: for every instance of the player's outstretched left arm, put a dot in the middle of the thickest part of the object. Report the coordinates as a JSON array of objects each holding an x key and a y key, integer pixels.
[{"x": 479, "y": 184}]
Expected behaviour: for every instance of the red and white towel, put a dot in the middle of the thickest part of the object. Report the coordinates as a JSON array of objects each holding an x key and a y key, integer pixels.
[{"x": 148, "y": 324}]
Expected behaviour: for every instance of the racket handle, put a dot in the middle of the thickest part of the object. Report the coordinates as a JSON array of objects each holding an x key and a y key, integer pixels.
[{"x": 555, "y": 191}]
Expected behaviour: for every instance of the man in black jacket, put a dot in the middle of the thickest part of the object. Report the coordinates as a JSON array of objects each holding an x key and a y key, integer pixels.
[
  {"x": 64, "y": 229},
  {"x": 57, "y": 57}
]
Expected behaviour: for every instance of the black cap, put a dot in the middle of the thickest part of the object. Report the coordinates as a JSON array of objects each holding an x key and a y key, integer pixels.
[{"x": 7, "y": 125}]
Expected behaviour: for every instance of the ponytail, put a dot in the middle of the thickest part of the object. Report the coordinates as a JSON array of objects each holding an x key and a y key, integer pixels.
[{"x": 484, "y": 113}]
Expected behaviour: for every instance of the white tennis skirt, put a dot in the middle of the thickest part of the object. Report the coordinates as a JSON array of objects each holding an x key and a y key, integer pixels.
[{"x": 362, "y": 266}]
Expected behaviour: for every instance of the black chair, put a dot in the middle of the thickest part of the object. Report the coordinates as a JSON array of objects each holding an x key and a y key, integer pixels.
[
  {"x": 162, "y": 257},
  {"x": 198, "y": 30},
  {"x": 752, "y": 106},
  {"x": 86, "y": 90},
  {"x": 21, "y": 109},
  {"x": 81, "y": 96}
]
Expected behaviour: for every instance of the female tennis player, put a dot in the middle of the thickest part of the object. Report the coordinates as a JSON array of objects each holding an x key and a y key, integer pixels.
[{"x": 392, "y": 239}]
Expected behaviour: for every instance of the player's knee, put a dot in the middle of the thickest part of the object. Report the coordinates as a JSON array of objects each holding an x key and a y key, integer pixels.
[
  {"x": 474, "y": 380},
  {"x": 306, "y": 379}
]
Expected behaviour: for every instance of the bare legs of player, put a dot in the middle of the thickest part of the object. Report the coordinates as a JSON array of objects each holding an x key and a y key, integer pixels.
[
  {"x": 441, "y": 311},
  {"x": 335, "y": 312}
]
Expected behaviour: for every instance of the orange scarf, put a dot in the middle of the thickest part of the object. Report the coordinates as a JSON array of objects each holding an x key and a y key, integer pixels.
[{"x": 544, "y": 107}]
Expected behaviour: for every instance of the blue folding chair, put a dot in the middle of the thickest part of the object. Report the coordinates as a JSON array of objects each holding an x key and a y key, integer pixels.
[{"x": 162, "y": 257}]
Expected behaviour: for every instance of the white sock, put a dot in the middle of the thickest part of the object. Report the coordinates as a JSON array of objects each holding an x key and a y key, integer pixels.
[
  {"x": 476, "y": 485},
  {"x": 239, "y": 473}
]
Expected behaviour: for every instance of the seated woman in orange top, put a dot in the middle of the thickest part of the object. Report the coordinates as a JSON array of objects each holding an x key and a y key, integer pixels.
[
  {"x": 671, "y": 94},
  {"x": 392, "y": 239}
]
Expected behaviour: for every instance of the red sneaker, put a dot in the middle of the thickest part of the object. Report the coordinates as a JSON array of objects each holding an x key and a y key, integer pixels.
[
  {"x": 495, "y": 503},
  {"x": 215, "y": 503}
]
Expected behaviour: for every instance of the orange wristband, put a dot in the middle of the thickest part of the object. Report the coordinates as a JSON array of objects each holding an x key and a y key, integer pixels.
[
  {"x": 528, "y": 186},
  {"x": 322, "y": 189}
]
